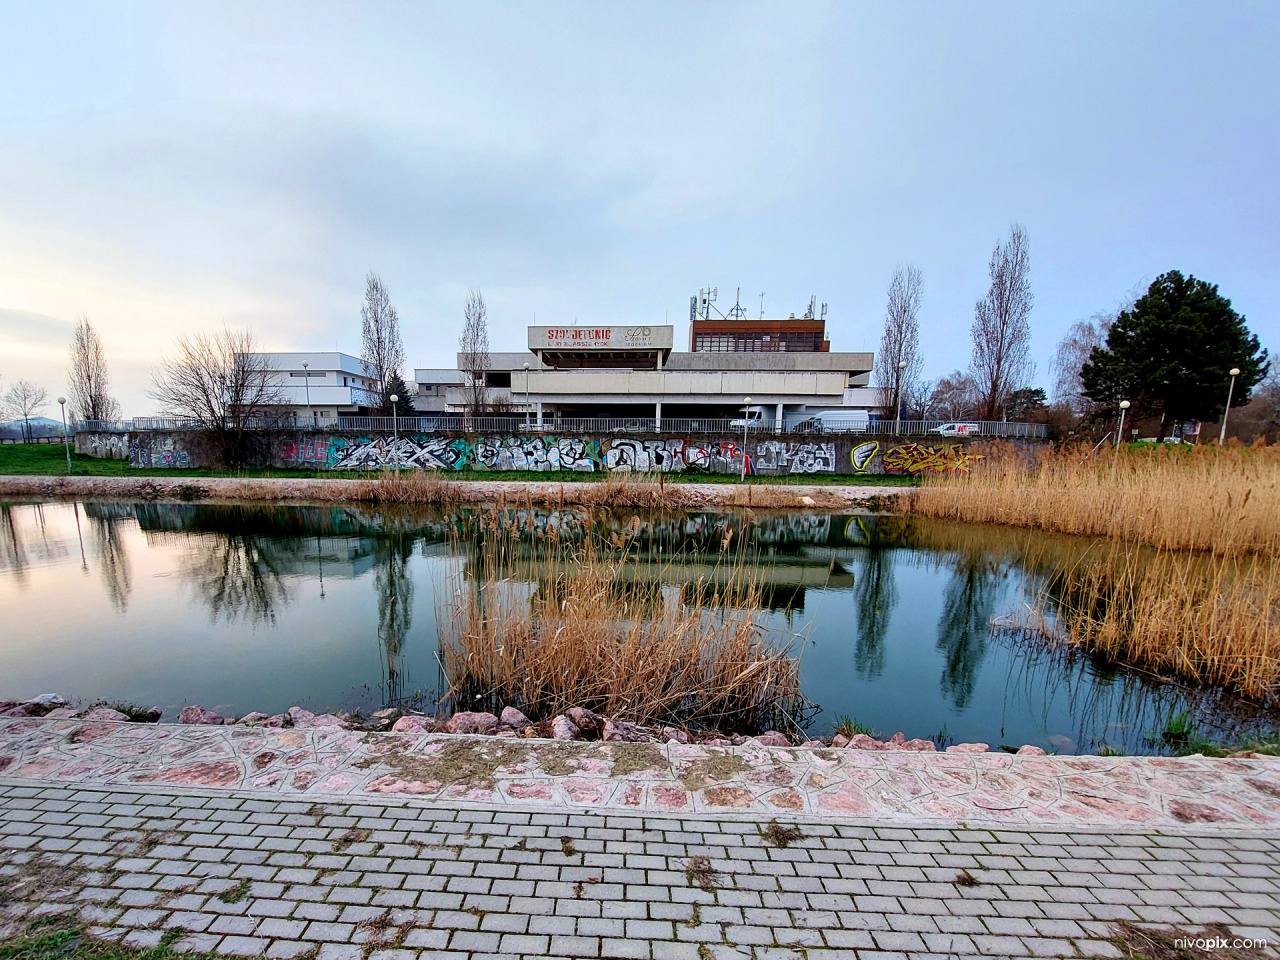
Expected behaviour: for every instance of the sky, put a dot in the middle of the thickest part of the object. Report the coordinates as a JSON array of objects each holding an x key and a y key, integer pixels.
[{"x": 168, "y": 168}]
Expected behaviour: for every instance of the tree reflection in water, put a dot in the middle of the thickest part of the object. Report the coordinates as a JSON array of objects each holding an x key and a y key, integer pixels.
[
  {"x": 113, "y": 560},
  {"x": 395, "y": 605},
  {"x": 964, "y": 628},
  {"x": 238, "y": 575},
  {"x": 876, "y": 595}
]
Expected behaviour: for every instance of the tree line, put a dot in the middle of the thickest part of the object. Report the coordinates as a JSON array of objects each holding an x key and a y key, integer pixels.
[{"x": 1168, "y": 350}]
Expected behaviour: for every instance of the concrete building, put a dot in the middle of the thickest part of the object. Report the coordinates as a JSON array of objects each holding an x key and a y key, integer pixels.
[
  {"x": 328, "y": 385},
  {"x": 622, "y": 372}
]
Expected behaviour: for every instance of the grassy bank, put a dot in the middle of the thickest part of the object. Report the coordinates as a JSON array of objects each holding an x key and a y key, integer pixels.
[{"x": 50, "y": 461}]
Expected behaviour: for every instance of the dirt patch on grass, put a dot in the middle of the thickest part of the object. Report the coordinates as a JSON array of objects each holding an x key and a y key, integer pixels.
[
  {"x": 776, "y": 835},
  {"x": 629, "y": 758},
  {"x": 466, "y": 762}
]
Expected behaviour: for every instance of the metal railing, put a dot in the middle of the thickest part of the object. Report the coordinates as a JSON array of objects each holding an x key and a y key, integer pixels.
[{"x": 516, "y": 423}]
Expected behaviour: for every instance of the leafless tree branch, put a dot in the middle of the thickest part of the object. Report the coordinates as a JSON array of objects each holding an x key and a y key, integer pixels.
[
  {"x": 88, "y": 379},
  {"x": 380, "y": 333},
  {"x": 473, "y": 352},
  {"x": 899, "y": 362},
  {"x": 1001, "y": 360}
]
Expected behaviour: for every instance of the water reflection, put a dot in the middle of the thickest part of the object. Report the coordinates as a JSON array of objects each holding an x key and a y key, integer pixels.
[
  {"x": 900, "y": 612},
  {"x": 968, "y": 606},
  {"x": 877, "y": 594}
]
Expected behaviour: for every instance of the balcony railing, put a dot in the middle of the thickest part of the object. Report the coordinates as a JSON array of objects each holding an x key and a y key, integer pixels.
[{"x": 516, "y": 423}]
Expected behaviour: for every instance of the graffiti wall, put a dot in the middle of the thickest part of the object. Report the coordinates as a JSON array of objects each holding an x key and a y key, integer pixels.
[
  {"x": 544, "y": 453},
  {"x": 166, "y": 450},
  {"x": 104, "y": 446}
]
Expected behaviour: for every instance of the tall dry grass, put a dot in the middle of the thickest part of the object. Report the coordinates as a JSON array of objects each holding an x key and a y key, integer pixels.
[
  {"x": 1220, "y": 499},
  {"x": 1207, "y": 617},
  {"x": 587, "y": 636}
]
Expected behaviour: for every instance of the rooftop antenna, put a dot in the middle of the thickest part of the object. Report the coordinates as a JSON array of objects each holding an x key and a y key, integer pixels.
[
  {"x": 761, "y": 304},
  {"x": 824, "y": 311},
  {"x": 737, "y": 312}
]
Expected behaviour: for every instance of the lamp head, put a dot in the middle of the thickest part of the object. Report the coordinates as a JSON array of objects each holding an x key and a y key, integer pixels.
[
  {"x": 1124, "y": 404},
  {"x": 63, "y": 401},
  {"x": 526, "y": 366},
  {"x": 902, "y": 364},
  {"x": 394, "y": 398},
  {"x": 746, "y": 399},
  {"x": 305, "y": 364},
  {"x": 1235, "y": 371}
]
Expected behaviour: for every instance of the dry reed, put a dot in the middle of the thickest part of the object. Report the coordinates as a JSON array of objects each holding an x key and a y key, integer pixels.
[
  {"x": 601, "y": 631},
  {"x": 1223, "y": 500},
  {"x": 1207, "y": 617}
]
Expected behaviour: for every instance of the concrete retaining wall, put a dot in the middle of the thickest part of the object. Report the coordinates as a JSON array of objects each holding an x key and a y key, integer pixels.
[{"x": 766, "y": 455}]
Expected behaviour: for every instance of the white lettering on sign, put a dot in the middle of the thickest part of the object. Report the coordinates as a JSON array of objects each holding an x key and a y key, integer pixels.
[{"x": 600, "y": 338}]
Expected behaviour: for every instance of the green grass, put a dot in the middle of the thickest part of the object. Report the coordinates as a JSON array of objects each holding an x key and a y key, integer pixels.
[
  {"x": 60, "y": 939},
  {"x": 849, "y": 727},
  {"x": 50, "y": 460}
]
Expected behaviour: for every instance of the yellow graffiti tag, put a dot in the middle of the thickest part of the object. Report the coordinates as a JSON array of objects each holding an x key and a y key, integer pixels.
[{"x": 917, "y": 458}]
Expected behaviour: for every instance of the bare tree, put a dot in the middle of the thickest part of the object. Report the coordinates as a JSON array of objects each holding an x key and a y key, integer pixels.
[
  {"x": 953, "y": 397},
  {"x": 1001, "y": 329},
  {"x": 88, "y": 380},
  {"x": 1072, "y": 351},
  {"x": 23, "y": 401},
  {"x": 222, "y": 383},
  {"x": 473, "y": 352},
  {"x": 898, "y": 365},
  {"x": 380, "y": 332}
]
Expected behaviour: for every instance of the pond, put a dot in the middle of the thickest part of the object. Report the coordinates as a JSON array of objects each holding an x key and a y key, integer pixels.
[{"x": 902, "y": 625}]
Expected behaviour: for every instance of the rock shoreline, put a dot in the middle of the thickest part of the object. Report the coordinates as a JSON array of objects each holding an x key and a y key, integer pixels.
[{"x": 576, "y": 723}]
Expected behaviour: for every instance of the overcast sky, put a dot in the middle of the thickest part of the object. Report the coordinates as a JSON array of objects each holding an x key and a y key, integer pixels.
[{"x": 166, "y": 168}]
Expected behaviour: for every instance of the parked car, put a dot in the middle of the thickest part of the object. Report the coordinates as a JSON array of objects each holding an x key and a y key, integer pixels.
[
  {"x": 635, "y": 426},
  {"x": 958, "y": 429},
  {"x": 811, "y": 425}
]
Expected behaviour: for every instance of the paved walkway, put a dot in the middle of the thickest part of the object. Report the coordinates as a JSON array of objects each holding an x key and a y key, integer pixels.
[
  {"x": 250, "y": 876},
  {"x": 903, "y": 787},
  {"x": 281, "y": 843}
]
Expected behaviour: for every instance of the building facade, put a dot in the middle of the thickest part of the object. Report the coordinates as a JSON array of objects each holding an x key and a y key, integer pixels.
[
  {"x": 632, "y": 373},
  {"x": 323, "y": 386}
]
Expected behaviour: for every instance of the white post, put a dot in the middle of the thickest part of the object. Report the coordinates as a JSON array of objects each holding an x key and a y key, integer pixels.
[
  {"x": 777, "y": 423},
  {"x": 1124, "y": 405},
  {"x": 657, "y": 417},
  {"x": 395, "y": 433},
  {"x": 62, "y": 402},
  {"x": 306, "y": 380},
  {"x": 897, "y": 397},
  {"x": 526, "y": 396},
  {"x": 746, "y": 422},
  {"x": 1222, "y": 434}
]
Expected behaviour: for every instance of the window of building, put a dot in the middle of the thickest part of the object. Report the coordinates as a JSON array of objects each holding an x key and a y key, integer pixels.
[{"x": 498, "y": 378}]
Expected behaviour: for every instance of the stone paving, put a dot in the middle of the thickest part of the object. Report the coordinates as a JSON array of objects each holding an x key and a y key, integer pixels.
[
  {"x": 907, "y": 787},
  {"x": 246, "y": 875}
]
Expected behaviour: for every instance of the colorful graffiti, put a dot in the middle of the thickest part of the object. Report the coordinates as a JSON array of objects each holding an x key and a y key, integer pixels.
[
  {"x": 786, "y": 456},
  {"x": 665, "y": 454},
  {"x": 537, "y": 453},
  {"x": 320, "y": 451},
  {"x": 419, "y": 450},
  {"x": 863, "y": 455},
  {"x": 156, "y": 450},
  {"x": 914, "y": 458},
  {"x": 716, "y": 456}
]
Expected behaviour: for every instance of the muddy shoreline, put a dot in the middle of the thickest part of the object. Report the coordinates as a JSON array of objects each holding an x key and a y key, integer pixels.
[{"x": 421, "y": 489}]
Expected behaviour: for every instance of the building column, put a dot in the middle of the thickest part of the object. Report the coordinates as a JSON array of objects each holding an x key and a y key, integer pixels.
[
  {"x": 657, "y": 417},
  {"x": 777, "y": 425},
  {"x": 538, "y": 407}
]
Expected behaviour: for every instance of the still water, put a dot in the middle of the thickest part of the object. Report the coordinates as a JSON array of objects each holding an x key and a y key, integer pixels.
[{"x": 903, "y": 625}]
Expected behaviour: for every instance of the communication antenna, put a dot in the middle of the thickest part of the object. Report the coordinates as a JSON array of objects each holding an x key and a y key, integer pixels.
[
  {"x": 824, "y": 311},
  {"x": 737, "y": 313},
  {"x": 813, "y": 304},
  {"x": 761, "y": 304}
]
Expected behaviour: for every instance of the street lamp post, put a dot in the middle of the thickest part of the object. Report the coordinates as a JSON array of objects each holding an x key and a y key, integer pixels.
[
  {"x": 526, "y": 397},
  {"x": 1124, "y": 405},
  {"x": 306, "y": 379},
  {"x": 395, "y": 433},
  {"x": 746, "y": 421},
  {"x": 897, "y": 390},
  {"x": 1222, "y": 434},
  {"x": 62, "y": 402}
]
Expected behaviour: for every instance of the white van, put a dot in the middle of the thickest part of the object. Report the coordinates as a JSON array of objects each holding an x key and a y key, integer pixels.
[
  {"x": 753, "y": 417},
  {"x": 958, "y": 430}
]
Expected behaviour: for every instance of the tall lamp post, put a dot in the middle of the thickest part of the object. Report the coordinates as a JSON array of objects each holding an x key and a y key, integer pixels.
[
  {"x": 1222, "y": 434},
  {"x": 897, "y": 428},
  {"x": 395, "y": 433},
  {"x": 306, "y": 379},
  {"x": 526, "y": 396},
  {"x": 746, "y": 420},
  {"x": 1124, "y": 405},
  {"x": 62, "y": 402}
]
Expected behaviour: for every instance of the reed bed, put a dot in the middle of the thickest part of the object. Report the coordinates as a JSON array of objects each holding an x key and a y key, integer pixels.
[
  {"x": 600, "y": 630},
  {"x": 1210, "y": 618},
  {"x": 1219, "y": 499}
]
